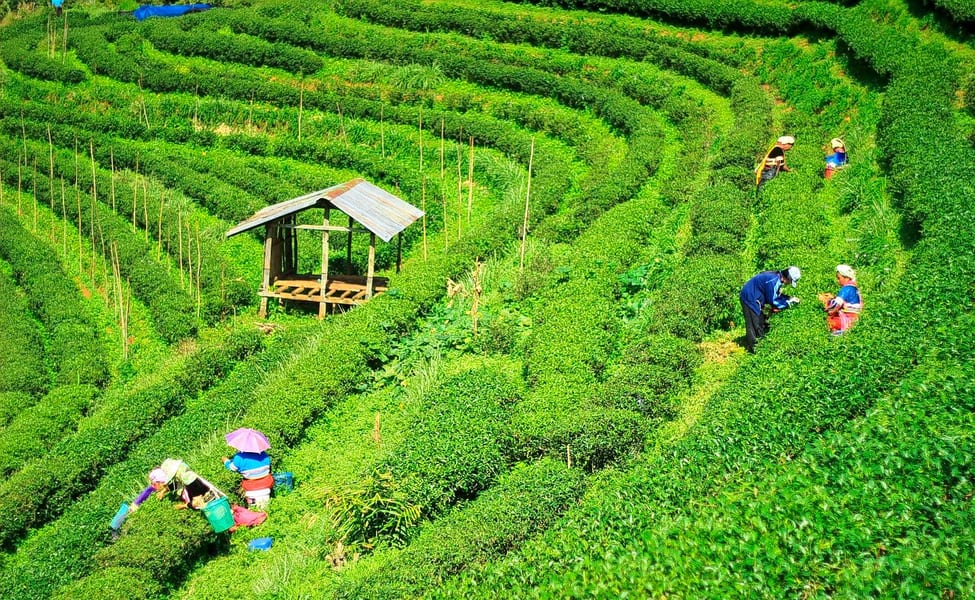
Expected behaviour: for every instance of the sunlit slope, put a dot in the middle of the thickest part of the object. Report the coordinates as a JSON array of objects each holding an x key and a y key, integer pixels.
[{"x": 570, "y": 415}]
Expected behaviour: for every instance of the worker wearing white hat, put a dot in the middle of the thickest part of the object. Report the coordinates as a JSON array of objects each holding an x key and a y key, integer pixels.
[
  {"x": 765, "y": 289},
  {"x": 774, "y": 162},
  {"x": 836, "y": 157},
  {"x": 843, "y": 309}
]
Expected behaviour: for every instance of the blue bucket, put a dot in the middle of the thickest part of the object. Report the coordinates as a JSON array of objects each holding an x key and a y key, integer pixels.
[
  {"x": 120, "y": 516},
  {"x": 262, "y": 543},
  {"x": 283, "y": 483},
  {"x": 219, "y": 514}
]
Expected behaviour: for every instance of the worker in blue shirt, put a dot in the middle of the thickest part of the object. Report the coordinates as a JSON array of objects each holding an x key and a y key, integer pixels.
[
  {"x": 761, "y": 290},
  {"x": 57, "y": 4}
]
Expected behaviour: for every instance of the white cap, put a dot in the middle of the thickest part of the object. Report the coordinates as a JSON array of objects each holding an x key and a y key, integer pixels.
[
  {"x": 786, "y": 139},
  {"x": 836, "y": 143},
  {"x": 793, "y": 274},
  {"x": 846, "y": 271}
]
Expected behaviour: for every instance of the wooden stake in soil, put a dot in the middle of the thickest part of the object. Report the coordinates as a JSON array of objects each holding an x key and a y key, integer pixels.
[
  {"x": 162, "y": 202},
  {"x": 524, "y": 222},
  {"x": 50, "y": 163},
  {"x": 179, "y": 231},
  {"x": 470, "y": 179},
  {"x": 476, "y": 295},
  {"x": 301, "y": 105},
  {"x": 443, "y": 188},
  {"x": 145, "y": 206},
  {"x": 199, "y": 270},
  {"x": 34, "y": 192},
  {"x": 423, "y": 188},
  {"x": 64, "y": 219},
  {"x": 460, "y": 190},
  {"x": 342, "y": 124},
  {"x": 111, "y": 159}
]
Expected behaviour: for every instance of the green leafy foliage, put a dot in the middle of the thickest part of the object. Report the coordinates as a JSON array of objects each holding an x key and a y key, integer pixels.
[{"x": 377, "y": 511}]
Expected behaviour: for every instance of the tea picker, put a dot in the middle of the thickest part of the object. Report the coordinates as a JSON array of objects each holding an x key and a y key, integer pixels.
[
  {"x": 765, "y": 289},
  {"x": 774, "y": 162},
  {"x": 253, "y": 464}
]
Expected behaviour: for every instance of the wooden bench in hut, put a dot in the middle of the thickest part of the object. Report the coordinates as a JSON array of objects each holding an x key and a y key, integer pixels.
[{"x": 368, "y": 207}]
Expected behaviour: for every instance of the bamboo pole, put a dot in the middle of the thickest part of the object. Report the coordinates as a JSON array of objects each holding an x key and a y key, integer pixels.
[
  {"x": 77, "y": 198},
  {"x": 460, "y": 189},
  {"x": 199, "y": 270},
  {"x": 64, "y": 39},
  {"x": 443, "y": 188},
  {"x": 301, "y": 105},
  {"x": 470, "y": 179},
  {"x": 342, "y": 124},
  {"x": 189, "y": 254},
  {"x": 111, "y": 158},
  {"x": 423, "y": 188},
  {"x": 34, "y": 192},
  {"x": 145, "y": 206},
  {"x": 179, "y": 234},
  {"x": 64, "y": 220},
  {"x": 50, "y": 162},
  {"x": 162, "y": 202},
  {"x": 20, "y": 176},
  {"x": 524, "y": 223}
]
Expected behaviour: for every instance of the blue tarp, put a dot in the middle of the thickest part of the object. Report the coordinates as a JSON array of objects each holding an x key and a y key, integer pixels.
[{"x": 173, "y": 10}]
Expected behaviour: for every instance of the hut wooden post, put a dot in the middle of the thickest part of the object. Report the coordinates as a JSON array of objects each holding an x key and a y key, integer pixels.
[
  {"x": 269, "y": 234},
  {"x": 322, "y": 305},
  {"x": 372, "y": 261},
  {"x": 348, "y": 249},
  {"x": 399, "y": 250}
]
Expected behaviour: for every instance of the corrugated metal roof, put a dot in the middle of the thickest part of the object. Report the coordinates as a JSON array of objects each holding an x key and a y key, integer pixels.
[{"x": 369, "y": 205}]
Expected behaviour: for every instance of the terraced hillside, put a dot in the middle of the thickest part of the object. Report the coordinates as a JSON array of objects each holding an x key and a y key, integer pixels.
[{"x": 552, "y": 399}]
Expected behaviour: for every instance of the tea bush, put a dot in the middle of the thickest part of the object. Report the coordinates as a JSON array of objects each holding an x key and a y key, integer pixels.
[
  {"x": 12, "y": 403},
  {"x": 44, "y": 487},
  {"x": 524, "y": 500},
  {"x": 73, "y": 344},
  {"x": 464, "y": 419},
  {"x": 652, "y": 368},
  {"x": 39, "y": 427},
  {"x": 22, "y": 364}
]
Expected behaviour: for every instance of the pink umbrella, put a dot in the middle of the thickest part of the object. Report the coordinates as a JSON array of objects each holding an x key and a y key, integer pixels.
[{"x": 246, "y": 439}]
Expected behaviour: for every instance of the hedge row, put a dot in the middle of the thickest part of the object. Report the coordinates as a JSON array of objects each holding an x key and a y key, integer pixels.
[
  {"x": 178, "y": 38},
  {"x": 770, "y": 19},
  {"x": 596, "y": 37},
  {"x": 465, "y": 418},
  {"x": 46, "y": 485},
  {"x": 172, "y": 309},
  {"x": 77, "y": 542},
  {"x": 960, "y": 10},
  {"x": 73, "y": 344},
  {"x": 525, "y": 500},
  {"x": 614, "y": 109},
  {"x": 758, "y": 422},
  {"x": 34, "y": 64},
  {"x": 323, "y": 373},
  {"x": 22, "y": 365},
  {"x": 13, "y": 403},
  {"x": 92, "y": 47},
  {"x": 36, "y": 429}
]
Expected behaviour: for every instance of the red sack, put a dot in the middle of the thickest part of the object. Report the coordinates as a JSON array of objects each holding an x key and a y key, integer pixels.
[
  {"x": 247, "y": 518},
  {"x": 261, "y": 483}
]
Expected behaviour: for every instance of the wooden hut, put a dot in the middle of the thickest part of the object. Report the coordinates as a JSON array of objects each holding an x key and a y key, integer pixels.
[{"x": 369, "y": 208}]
